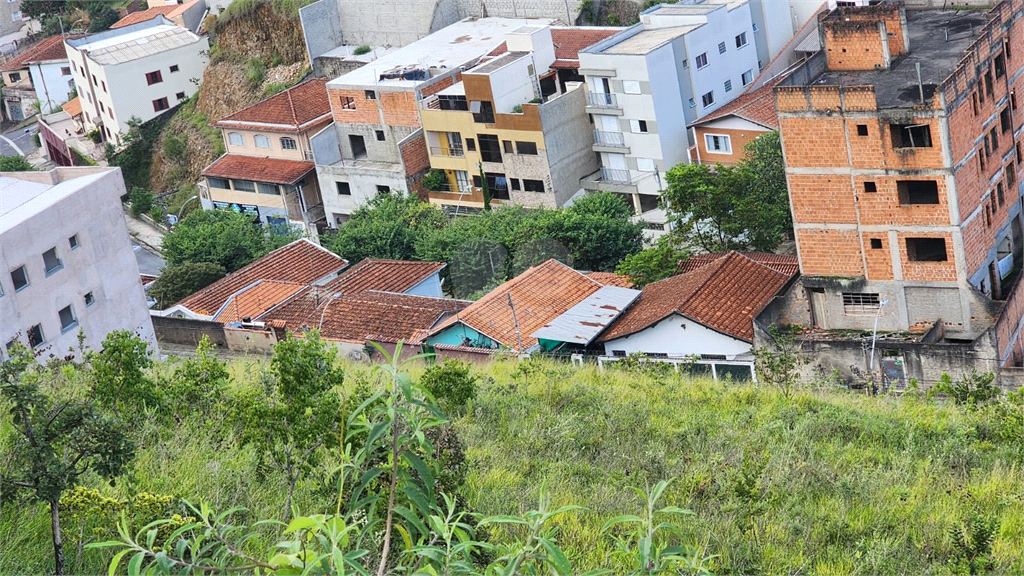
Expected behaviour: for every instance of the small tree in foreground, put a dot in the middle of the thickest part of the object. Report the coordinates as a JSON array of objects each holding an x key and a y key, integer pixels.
[
  {"x": 57, "y": 441},
  {"x": 777, "y": 365}
]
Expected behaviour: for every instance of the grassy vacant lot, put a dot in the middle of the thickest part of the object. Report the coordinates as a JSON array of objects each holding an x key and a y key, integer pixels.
[{"x": 825, "y": 482}]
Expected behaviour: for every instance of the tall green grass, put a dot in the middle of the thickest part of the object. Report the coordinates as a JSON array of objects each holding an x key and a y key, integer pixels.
[{"x": 823, "y": 483}]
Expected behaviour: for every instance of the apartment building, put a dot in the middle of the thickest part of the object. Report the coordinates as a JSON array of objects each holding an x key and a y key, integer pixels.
[
  {"x": 516, "y": 120},
  {"x": 39, "y": 77},
  {"x": 67, "y": 262},
  {"x": 267, "y": 169},
  {"x": 648, "y": 82},
  {"x": 376, "y": 141},
  {"x": 902, "y": 141},
  {"x": 137, "y": 71}
]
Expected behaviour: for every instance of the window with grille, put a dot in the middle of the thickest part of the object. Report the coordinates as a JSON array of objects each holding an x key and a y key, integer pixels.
[
  {"x": 288, "y": 144},
  {"x": 721, "y": 47},
  {"x": 860, "y": 303}
]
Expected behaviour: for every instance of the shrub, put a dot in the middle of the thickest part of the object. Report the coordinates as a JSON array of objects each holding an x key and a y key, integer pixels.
[
  {"x": 141, "y": 201},
  {"x": 434, "y": 180},
  {"x": 452, "y": 383},
  {"x": 94, "y": 136},
  {"x": 255, "y": 72},
  {"x": 180, "y": 281},
  {"x": 364, "y": 49},
  {"x": 517, "y": 109},
  {"x": 971, "y": 389},
  {"x": 14, "y": 164}
]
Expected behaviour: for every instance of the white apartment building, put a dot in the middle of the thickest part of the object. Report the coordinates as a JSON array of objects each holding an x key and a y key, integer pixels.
[
  {"x": 648, "y": 82},
  {"x": 136, "y": 71},
  {"x": 67, "y": 262},
  {"x": 37, "y": 80}
]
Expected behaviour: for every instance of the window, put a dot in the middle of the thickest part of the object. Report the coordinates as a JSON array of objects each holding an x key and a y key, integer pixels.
[
  {"x": 860, "y": 303},
  {"x": 35, "y": 336},
  {"x": 506, "y": 145},
  {"x": 645, "y": 164},
  {"x": 870, "y": 187},
  {"x": 1004, "y": 120},
  {"x": 911, "y": 135},
  {"x": 73, "y": 242},
  {"x": 490, "y": 148},
  {"x": 65, "y": 71},
  {"x": 102, "y": 109},
  {"x": 470, "y": 144},
  {"x": 741, "y": 40},
  {"x": 267, "y": 188},
  {"x": 152, "y": 78},
  {"x": 381, "y": 189},
  {"x": 221, "y": 183},
  {"x": 358, "y": 145},
  {"x": 988, "y": 84},
  {"x": 15, "y": 76},
  {"x": 51, "y": 261},
  {"x": 89, "y": 299},
  {"x": 347, "y": 103},
  {"x": 862, "y": 129},
  {"x": 708, "y": 99},
  {"x": 747, "y": 77},
  {"x": 974, "y": 101},
  {"x": 619, "y": 353},
  {"x": 288, "y": 143},
  {"x": 261, "y": 141},
  {"x": 174, "y": 68},
  {"x": 638, "y": 126},
  {"x": 160, "y": 104},
  {"x": 876, "y": 243},
  {"x": 104, "y": 83},
  {"x": 999, "y": 193},
  {"x": 236, "y": 139},
  {"x": 1013, "y": 99},
  {"x": 20, "y": 278},
  {"x": 67, "y": 319},
  {"x": 728, "y": 85},
  {"x": 701, "y": 60},
  {"x": 380, "y": 135},
  {"x": 180, "y": 95},
  {"x": 721, "y": 47},
  {"x": 717, "y": 144},
  {"x": 243, "y": 185},
  {"x": 456, "y": 102},
  {"x": 999, "y": 63},
  {"x": 515, "y": 183},
  {"x": 370, "y": 94},
  {"x": 343, "y": 188},
  {"x": 526, "y": 148},
  {"x": 1020, "y": 154},
  {"x": 994, "y": 138},
  {"x": 483, "y": 111},
  {"x": 691, "y": 103},
  {"x": 755, "y": 27},
  {"x": 533, "y": 185},
  {"x": 918, "y": 191},
  {"x": 926, "y": 249},
  {"x": 630, "y": 87}
]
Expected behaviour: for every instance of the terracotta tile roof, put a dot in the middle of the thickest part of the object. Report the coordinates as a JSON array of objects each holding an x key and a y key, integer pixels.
[
  {"x": 383, "y": 275},
  {"x": 144, "y": 15},
  {"x": 723, "y": 295},
  {"x": 540, "y": 295},
  {"x": 73, "y": 107},
  {"x": 568, "y": 43},
  {"x": 611, "y": 279},
  {"x": 289, "y": 111},
  {"x": 301, "y": 261},
  {"x": 376, "y": 316},
  {"x": 788, "y": 265},
  {"x": 51, "y": 48},
  {"x": 147, "y": 279},
  {"x": 272, "y": 170},
  {"x": 252, "y": 301},
  {"x": 757, "y": 106}
]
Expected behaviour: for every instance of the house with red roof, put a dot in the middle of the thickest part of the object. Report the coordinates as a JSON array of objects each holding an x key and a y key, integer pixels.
[
  {"x": 704, "y": 316},
  {"x": 721, "y": 137},
  {"x": 188, "y": 15},
  {"x": 42, "y": 73},
  {"x": 268, "y": 169}
]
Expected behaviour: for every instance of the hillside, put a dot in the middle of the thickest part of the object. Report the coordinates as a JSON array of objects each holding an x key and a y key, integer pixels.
[
  {"x": 257, "y": 50},
  {"x": 825, "y": 482}
]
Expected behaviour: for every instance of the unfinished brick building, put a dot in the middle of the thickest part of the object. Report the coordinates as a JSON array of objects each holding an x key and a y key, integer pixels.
[{"x": 902, "y": 141}]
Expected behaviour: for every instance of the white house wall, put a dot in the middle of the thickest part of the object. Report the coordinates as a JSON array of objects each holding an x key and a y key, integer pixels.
[
  {"x": 678, "y": 335},
  {"x": 52, "y": 87}
]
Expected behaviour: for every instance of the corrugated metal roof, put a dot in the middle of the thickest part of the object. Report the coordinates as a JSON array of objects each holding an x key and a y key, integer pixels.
[{"x": 582, "y": 323}]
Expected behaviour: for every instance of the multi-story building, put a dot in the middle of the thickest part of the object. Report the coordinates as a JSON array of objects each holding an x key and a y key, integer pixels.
[
  {"x": 902, "y": 141},
  {"x": 68, "y": 262},
  {"x": 39, "y": 77},
  {"x": 137, "y": 71},
  {"x": 187, "y": 15},
  {"x": 648, "y": 82},
  {"x": 376, "y": 142},
  {"x": 722, "y": 136},
  {"x": 268, "y": 168},
  {"x": 516, "y": 120}
]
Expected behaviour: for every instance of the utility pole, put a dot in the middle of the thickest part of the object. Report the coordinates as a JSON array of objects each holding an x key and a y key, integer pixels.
[{"x": 519, "y": 337}]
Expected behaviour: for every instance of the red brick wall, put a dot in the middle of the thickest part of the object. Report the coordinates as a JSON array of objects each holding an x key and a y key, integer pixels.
[
  {"x": 822, "y": 198},
  {"x": 928, "y": 271},
  {"x": 830, "y": 252},
  {"x": 416, "y": 162},
  {"x": 879, "y": 260},
  {"x": 853, "y": 38}
]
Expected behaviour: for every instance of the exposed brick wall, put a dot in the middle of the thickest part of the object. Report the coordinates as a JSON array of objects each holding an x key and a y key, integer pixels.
[
  {"x": 928, "y": 271},
  {"x": 416, "y": 161},
  {"x": 856, "y": 46},
  {"x": 830, "y": 252},
  {"x": 361, "y": 110},
  {"x": 879, "y": 260},
  {"x": 883, "y": 207},
  {"x": 814, "y": 142},
  {"x": 822, "y": 198},
  {"x": 399, "y": 107}
]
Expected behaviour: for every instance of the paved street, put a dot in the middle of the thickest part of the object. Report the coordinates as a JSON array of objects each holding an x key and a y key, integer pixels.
[
  {"x": 149, "y": 262},
  {"x": 18, "y": 142}
]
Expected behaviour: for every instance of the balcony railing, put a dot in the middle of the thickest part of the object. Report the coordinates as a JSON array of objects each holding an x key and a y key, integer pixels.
[
  {"x": 602, "y": 138},
  {"x": 454, "y": 152},
  {"x": 617, "y": 175},
  {"x": 601, "y": 99}
]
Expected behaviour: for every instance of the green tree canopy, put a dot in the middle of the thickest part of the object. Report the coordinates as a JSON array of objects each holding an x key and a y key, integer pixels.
[
  {"x": 101, "y": 16},
  {"x": 388, "y": 226},
  {"x": 177, "y": 282},
  {"x": 222, "y": 237},
  {"x": 652, "y": 264},
  {"x": 15, "y": 164}
]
